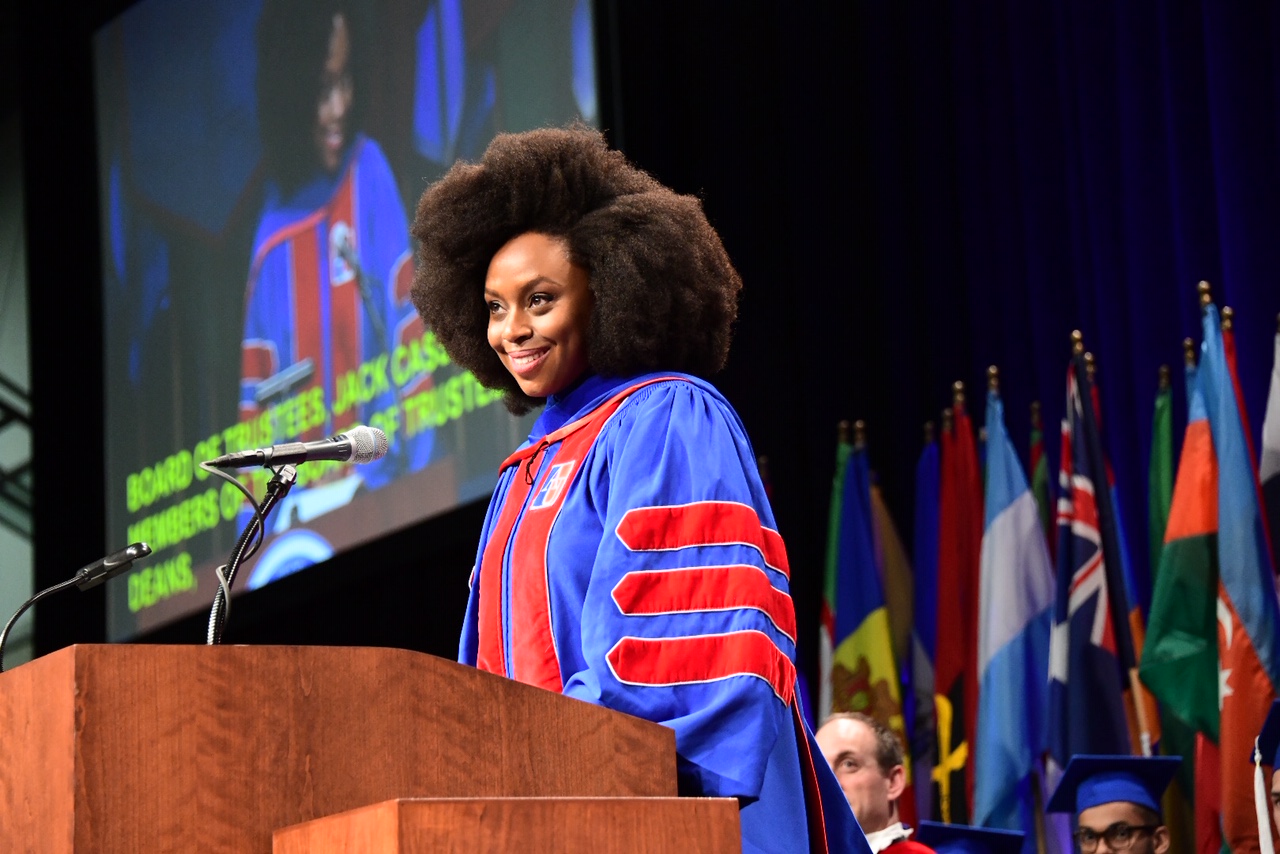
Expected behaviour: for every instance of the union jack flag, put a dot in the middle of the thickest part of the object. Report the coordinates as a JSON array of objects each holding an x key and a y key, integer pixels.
[{"x": 1086, "y": 675}]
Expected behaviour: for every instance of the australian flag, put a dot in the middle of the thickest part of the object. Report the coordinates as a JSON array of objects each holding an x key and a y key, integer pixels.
[{"x": 1086, "y": 675}]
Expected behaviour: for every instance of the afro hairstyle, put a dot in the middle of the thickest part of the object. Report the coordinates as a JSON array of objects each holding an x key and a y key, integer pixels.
[{"x": 665, "y": 292}]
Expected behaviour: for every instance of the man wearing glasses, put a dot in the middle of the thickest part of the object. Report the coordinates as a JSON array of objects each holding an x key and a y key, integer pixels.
[{"x": 1116, "y": 801}]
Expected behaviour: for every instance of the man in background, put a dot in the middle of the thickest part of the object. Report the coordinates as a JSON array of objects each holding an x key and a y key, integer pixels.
[
  {"x": 1116, "y": 801},
  {"x": 867, "y": 759}
]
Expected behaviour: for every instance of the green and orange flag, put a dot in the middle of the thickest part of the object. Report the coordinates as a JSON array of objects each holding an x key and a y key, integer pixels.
[{"x": 1177, "y": 737}]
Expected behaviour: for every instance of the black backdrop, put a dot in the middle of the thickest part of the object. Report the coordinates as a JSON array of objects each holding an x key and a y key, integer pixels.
[{"x": 911, "y": 191}]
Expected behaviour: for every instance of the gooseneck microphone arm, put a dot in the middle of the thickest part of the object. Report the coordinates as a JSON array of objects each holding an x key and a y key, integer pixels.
[
  {"x": 85, "y": 578},
  {"x": 277, "y": 488},
  {"x": 358, "y": 445},
  {"x": 48, "y": 591}
]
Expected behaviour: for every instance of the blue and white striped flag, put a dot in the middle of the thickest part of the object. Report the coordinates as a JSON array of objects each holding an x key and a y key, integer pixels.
[{"x": 1016, "y": 594}]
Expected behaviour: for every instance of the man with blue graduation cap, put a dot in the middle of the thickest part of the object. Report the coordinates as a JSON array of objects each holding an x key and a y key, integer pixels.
[
  {"x": 1116, "y": 801},
  {"x": 966, "y": 839}
]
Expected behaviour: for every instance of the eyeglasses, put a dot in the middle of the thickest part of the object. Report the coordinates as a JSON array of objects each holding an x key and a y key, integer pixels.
[{"x": 1119, "y": 836}]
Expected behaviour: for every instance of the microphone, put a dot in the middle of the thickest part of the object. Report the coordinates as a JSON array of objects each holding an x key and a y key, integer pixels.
[
  {"x": 86, "y": 576},
  {"x": 110, "y": 566},
  {"x": 357, "y": 445}
]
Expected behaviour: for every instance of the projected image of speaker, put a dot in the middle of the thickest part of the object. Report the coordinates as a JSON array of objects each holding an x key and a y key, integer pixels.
[{"x": 259, "y": 162}]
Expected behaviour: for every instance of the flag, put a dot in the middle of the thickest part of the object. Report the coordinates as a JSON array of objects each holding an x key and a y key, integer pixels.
[
  {"x": 1141, "y": 712},
  {"x": 1038, "y": 465},
  {"x": 1180, "y": 657},
  {"x": 895, "y": 574},
  {"x": 1269, "y": 466},
  {"x": 1016, "y": 596},
  {"x": 1160, "y": 470},
  {"x": 827, "y": 616},
  {"x": 1229, "y": 347},
  {"x": 1247, "y": 609},
  {"x": 955, "y": 663},
  {"x": 924, "y": 558},
  {"x": 864, "y": 675},
  {"x": 1208, "y": 812},
  {"x": 1086, "y": 683},
  {"x": 982, "y": 457}
]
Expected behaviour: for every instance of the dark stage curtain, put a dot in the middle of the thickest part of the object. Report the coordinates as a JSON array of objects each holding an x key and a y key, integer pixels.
[{"x": 915, "y": 191}]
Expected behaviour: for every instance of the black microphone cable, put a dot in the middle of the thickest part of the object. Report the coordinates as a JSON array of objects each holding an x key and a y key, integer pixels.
[{"x": 85, "y": 578}]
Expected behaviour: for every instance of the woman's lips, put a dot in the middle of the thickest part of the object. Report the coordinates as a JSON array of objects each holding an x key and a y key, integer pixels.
[
  {"x": 525, "y": 362},
  {"x": 333, "y": 141}
]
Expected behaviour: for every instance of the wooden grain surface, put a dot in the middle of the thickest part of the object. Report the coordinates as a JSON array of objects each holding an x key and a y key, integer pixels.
[
  {"x": 499, "y": 825},
  {"x": 141, "y": 747}
]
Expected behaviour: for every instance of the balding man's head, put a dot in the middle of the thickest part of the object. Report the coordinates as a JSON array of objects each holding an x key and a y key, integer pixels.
[{"x": 867, "y": 759}]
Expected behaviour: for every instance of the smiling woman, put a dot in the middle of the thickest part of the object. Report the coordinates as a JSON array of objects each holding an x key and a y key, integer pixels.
[{"x": 629, "y": 557}]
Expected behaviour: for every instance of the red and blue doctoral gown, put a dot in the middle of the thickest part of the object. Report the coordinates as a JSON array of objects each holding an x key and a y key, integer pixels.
[
  {"x": 312, "y": 252},
  {"x": 630, "y": 559}
]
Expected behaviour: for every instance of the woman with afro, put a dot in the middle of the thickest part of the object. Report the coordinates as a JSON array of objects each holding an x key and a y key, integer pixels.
[{"x": 629, "y": 556}]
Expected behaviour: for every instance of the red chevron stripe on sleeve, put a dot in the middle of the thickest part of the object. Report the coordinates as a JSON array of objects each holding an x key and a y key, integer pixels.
[
  {"x": 705, "y": 588},
  {"x": 703, "y": 658},
  {"x": 702, "y": 523}
]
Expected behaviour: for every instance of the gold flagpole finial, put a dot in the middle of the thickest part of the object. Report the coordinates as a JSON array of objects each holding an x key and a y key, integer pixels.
[
  {"x": 859, "y": 433},
  {"x": 1206, "y": 294},
  {"x": 1164, "y": 378},
  {"x": 948, "y": 420},
  {"x": 1090, "y": 365},
  {"x": 957, "y": 393},
  {"x": 1228, "y": 318},
  {"x": 1189, "y": 351},
  {"x": 1035, "y": 414},
  {"x": 842, "y": 432},
  {"x": 993, "y": 379},
  {"x": 1077, "y": 342},
  {"x": 928, "y": 432}
]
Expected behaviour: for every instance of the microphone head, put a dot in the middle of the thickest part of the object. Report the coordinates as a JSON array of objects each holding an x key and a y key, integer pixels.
[{"x": 367, "y": 444}]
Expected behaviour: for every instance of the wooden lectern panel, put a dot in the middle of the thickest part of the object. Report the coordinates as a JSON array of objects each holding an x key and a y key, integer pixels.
[
  {"x": 500, "y": 825},
  {"x": 141, "y": 747}
]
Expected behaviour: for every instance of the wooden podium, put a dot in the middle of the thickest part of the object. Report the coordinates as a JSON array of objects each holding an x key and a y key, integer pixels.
[
  {"x": 560, "y": 825},
  {"x": 141, "y": 747}
]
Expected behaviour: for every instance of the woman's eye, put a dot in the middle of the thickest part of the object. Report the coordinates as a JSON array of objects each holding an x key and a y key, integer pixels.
[{"x": 539, "y": 299}]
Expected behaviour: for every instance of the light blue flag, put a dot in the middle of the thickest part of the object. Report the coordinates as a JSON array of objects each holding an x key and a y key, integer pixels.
[{"x": 1016, "y": 594}]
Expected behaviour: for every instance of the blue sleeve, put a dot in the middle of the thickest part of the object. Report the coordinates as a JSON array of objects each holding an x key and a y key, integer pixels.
[{"x": 691, "y": 621}]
